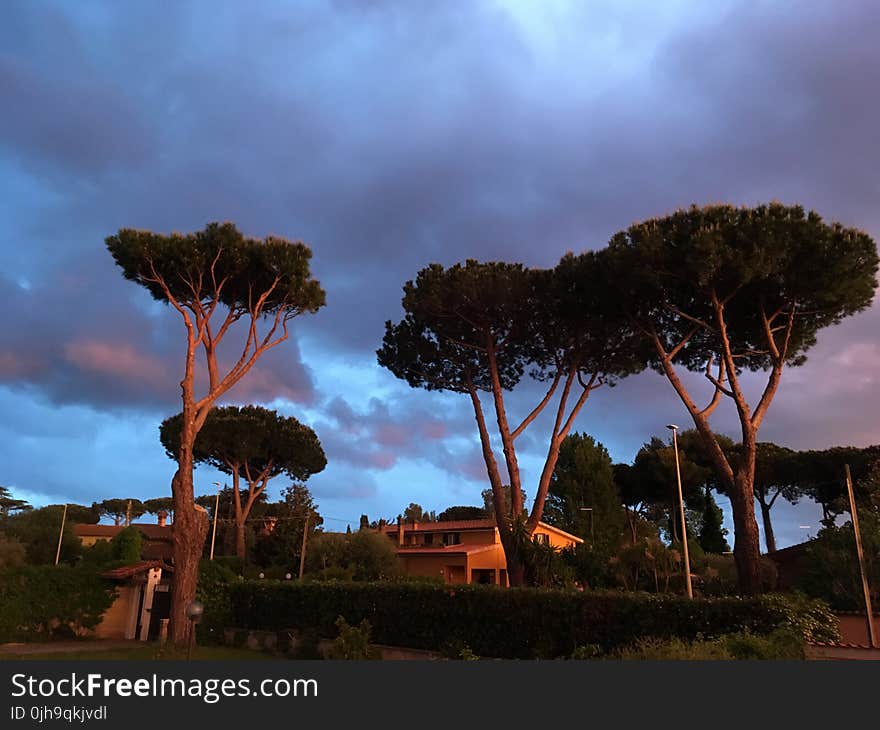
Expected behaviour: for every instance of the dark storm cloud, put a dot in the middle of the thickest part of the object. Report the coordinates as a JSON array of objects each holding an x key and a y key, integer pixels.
[{"x": 390, "y": 135}]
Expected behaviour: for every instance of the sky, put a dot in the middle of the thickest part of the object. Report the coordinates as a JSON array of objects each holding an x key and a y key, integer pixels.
[{"x": 387, "y": 136}]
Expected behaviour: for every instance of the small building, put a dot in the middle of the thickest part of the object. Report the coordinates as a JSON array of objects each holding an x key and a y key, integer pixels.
[
  {"x": 143, "y": 588},
  {"x": 462, "y": 551}
]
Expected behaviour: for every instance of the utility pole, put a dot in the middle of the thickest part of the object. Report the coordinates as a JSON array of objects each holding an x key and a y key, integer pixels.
[
  {"x": 684, "y": 533},
  {"x": 302, "y": 555},
  {"x": 216, "y": 510},
  {"x": 128, "y": 513},
  {"x": 61, "y": 534},
  {"x": 869, "y": 613}
]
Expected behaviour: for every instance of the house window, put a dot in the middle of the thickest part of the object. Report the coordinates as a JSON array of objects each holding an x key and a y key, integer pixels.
[
  {"x": 429, "y": 538},
  {"x": 542, "y": 539},
  {"x": 452, "y": 538}
]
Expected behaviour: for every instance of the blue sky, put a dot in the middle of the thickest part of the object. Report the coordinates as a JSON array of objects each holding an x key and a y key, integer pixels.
[{"x": 388, "y": 135}]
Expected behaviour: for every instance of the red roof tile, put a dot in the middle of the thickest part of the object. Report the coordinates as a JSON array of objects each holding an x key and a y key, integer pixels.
[{"x": 129, "y": 571}]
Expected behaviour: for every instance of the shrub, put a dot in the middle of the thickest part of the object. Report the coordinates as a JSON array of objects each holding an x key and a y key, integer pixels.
[
  {"x": 518, "y": 622},
  {"x": 216, "y": 579},
  {"x": 353, "y": 642},
  {"x": 48, "y": 602},
  {"x": 126, "y": 545}
]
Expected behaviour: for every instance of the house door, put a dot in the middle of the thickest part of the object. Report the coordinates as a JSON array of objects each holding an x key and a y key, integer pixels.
[{"x": 161, "y": 609}]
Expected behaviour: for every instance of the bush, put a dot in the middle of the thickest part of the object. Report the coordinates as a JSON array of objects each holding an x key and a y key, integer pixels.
[
  {"x": 216, "y": 579},
  {"x": 831, "y": 568},
  {"x": 126, "y": 545},
  {"x": 353, "y": 642},
  {"x": 783, "y": 643},
  {"x": 50, "y": 602},
  {"x": 518, "y": 622}
]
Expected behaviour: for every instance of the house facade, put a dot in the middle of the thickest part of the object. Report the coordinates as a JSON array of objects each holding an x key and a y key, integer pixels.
[
  {"x": 143, "y": 588},
  {"x": 462, "y": 551}
]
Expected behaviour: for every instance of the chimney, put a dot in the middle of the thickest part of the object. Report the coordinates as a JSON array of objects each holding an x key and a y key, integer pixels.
[
  {"x": 399, "y": 531},
  {"x": 162, "y": 515}
]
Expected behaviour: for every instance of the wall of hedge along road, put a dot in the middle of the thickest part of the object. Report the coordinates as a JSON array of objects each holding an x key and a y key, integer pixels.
[{"x": 519, "y": 623}]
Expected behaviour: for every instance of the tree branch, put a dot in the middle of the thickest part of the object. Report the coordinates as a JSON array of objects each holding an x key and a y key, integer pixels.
[{"x": 537, "y": 410}]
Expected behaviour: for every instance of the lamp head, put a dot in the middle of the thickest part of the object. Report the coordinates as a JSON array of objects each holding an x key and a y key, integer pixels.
[
  {"x": 194, "y": 611},
  {"x": 672, "y": 427}
]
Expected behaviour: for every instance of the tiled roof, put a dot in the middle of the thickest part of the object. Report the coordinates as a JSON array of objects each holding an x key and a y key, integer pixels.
[
  {"x": 459, "y": 525},
  {"x": 446, "y": 549},
  {"x": 451, "y": 526},
  {"x": 149, "y": 530},
  {"x": 129, "y": 571}
]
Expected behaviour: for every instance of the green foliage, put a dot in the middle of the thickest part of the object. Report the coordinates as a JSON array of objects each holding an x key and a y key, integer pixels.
[
  {"x": 462, "y": 512},
  {"x": 489, "y": 501},
  {"x": 831, "y": 567},
  {"x": 253, "y": 441},
  {"x": 126, "y": 545},
  {"x": 12, "y": 552},
  {"x": 216, "y": 579},
  {"x": 38, "y": 531},
  {"x": 360, "y": 556},
  {"x": 584, "y": 478},
  {"x": 185, "y": 264},
  {"x": 549, "y": 623},
  {"x": 101, "y": 553},
  {"x": 766, "y": 258},
  {"x": 283, "y": 545},
  {"x": 779, "y": 644},
  {"x": 160, "y": 504},
  {"x": 120, "y": 509},
  {"x": 416, "y": 513},
  {"x": 712, "y": 531},
  {"x": 51, "y": 602},
  {"x": 674, "y": 649},
  {"x": 9, "y": 504},
  {"x": 353, "y": 642}
]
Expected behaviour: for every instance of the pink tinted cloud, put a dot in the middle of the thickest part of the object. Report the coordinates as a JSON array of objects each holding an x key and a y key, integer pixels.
[{"x": 116, "y": 359}]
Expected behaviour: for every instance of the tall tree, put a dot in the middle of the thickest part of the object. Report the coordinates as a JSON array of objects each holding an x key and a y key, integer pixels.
[
  {"x": 655, "y": 484},
  {"x": 416, "y": 513},
  {"x": 121, "y": 511},
  {"x": 478, "y": 327},
  {"x": 488, "y": 496},
  {"x": 723, "y": 290},
  {"x": 214, "y": 279},
  {"x": 9, "y": 505},
  {"x": 38, "y": 529},
  {"x": 160, "y": 504},
  {"x": 583, "y": 498},
  {"x": 712, "y": 531},
  {"x": 462, "y": 512},
  {"x": 250, "y": 443},
  {"x": 295, "y": 513},
  {"x": 776, "y": 474}
]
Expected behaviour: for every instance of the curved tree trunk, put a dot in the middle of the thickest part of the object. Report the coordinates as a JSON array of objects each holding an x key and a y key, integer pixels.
[
  {"x": 190, "y": 530},
  {"x": 746, "y": 546},
  {"x": 769, "y": 537}
]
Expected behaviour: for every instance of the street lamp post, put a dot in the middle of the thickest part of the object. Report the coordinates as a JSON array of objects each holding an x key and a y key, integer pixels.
[
  {"x": 684, "y": 542},
  {"x": 590, "y": 510},
  {"x": 216, "y": 510}
]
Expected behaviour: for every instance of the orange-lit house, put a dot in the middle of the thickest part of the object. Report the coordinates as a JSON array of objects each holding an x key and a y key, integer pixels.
[
  {"x": 143, "y": 595},
  {"x": 462, "y": 551}
]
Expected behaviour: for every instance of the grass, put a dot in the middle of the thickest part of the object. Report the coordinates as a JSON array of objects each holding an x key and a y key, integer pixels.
[{"x": 204, "y": 653}]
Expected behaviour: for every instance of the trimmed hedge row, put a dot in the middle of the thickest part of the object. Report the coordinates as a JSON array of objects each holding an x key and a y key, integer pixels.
[
  {"x": 51, "y": 601},
  {"x": 520, "y": 623}
]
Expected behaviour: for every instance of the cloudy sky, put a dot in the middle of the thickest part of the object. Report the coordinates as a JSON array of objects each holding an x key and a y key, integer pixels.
[{"x": 388, "y": 135}]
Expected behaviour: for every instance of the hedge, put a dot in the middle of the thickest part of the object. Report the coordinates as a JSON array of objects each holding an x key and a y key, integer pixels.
[
  {"x": 51, "y": 601},
  {"x": 519, "y": 623}
]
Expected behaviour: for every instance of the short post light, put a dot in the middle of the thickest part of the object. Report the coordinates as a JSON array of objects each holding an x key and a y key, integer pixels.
[{"x": 194, "y": 613}]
